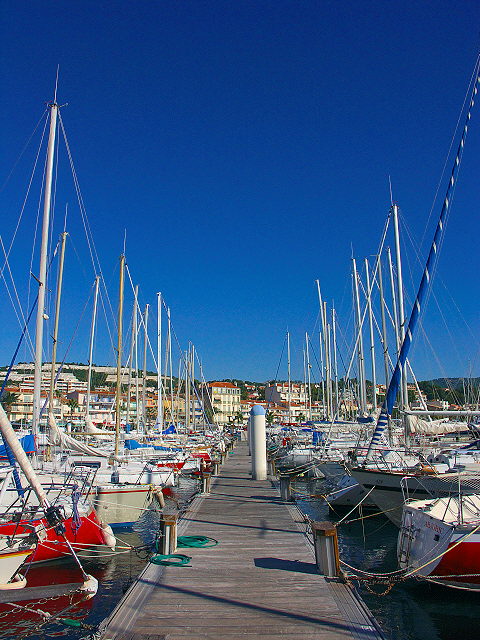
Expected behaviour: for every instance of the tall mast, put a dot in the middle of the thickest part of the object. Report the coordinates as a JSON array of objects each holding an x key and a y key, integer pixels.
[
  {"x": 42, "y": 276},
  {"x": 323, "y": 336},
  {"x": 395, "y": 313},
  {"x": 169, "y": 336},
  {"x": 145, "y": 342},
  {"x": 372, "y": 342},
  {"x": 289, "y": 380},
  {"x": 328, "y": 372},
  {"x": 119, "y": 353},
  {"x": 159, "y": 363},
  {"x": 309, "y": 377},
  {"x": 401, "y": 308},
  {"x": 187, "y": 387},
  {"x": 192, "y": 373},
  {"x": 334, "y": 331},
  {"x": 384, "y": 323},
  {"x": 322, "y": 380},
  {"x": 90, "y": 349},
  {"x": 305, "y": 402},
  {"x": 57, "y": 318},
  {"x": 137, "y": 390},
  {"x": 130, "y": 357},
  {"x": 360, "y": 357}
]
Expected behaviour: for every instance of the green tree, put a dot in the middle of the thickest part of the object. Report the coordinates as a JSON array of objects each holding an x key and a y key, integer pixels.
[
  {"x": 8, "y": 399},
  {"x": 72, "y": 404}
]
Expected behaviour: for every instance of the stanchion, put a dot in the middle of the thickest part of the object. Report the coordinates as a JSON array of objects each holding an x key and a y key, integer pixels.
[
  {"x": 168, "y": 533},
  {"x": 285, "y": 488},
  {"x": 326, "y": 549},
  {"x": 206, "y": 481}
]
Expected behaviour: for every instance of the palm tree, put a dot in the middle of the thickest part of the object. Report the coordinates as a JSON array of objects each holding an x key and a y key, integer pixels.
[
  {"x": 8, "y": 399},
  {"x": 72, "y": 403}
]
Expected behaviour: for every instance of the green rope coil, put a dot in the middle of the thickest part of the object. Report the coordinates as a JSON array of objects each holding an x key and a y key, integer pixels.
[
  {"x": 199, "y": 542},
  {"x": 70, "y": 622},
  {"x": 171, "y": 560}
]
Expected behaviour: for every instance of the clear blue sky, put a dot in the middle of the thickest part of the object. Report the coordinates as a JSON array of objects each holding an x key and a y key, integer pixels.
[{"x": 246, "y": 147}]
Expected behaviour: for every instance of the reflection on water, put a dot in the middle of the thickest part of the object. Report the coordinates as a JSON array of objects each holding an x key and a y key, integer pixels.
[
  {"x": 114, "y": 572},
  {"x": 412, "y": 610}
]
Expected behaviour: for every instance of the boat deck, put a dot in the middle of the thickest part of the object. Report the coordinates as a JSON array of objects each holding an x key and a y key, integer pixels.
[{"x": 261, "y": 580}]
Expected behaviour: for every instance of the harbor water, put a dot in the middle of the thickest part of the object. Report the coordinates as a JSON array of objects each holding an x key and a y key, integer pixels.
[{"x": 410, "y": 610}]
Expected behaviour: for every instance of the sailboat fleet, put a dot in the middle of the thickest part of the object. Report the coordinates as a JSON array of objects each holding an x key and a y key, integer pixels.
[
  {"x": 67, "y": 498},
  {"x": 77, "y": 488},
  {"x": 422, "y": 474}
]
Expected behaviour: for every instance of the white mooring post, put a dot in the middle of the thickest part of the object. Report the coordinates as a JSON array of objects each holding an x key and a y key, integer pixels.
[{"x": 258, "y": 442}]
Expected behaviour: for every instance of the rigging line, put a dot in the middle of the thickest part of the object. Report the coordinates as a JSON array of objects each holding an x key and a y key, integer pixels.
[
  {"x": 442, "y": 282},
  {"x": 26, "y": 196},
  {"x": 77, "y": 326},
  {"x": 18, "y": 312},
  {"x": 97, "y": 267},
  {"x": 452, "y": 141},
  {"x": 439, "y": 307},
  {"x": 40, "y": 198},
  {"x": 23, "y": 151}
]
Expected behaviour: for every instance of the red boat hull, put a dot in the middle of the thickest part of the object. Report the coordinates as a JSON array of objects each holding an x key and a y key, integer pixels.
[{"x": 53, "y": 546}]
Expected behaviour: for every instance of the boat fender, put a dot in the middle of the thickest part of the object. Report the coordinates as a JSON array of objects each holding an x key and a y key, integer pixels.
[
  {"x": 108, "y": 536},
  {"x": 157, "y": 494},
  {"x": 90, "y": 586},
  {"x": 19, "y": 582}
]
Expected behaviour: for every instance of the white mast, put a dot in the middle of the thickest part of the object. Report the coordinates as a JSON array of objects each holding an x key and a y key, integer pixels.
[
  {"x": 57, "y": 318},
  {"x": 194, "y": 397},
  {"x": 324, "y": 350},
  {"x": 372, "y": 343},
  {"x": 334, "y": 329},
  {"x": 42, "y": 276},
  {"x": 144, "y": 389},
  {"x": 401, "y": 309},
  {"x": 395, "y": 314},
  {"x": 309, "y": 377},
  {"x": 90, "y": 349},
  {"x": 169, "y": 337},
  {"x": 322, "y": 380},
  {"x": 119, "y": 354},
  {"x": 328, "y": 371},
  {"x": 137, "y": 390},
  {"x": 361, "y": 360},
  {"x": 130, "y": 357},
  {"x": 384, "y": 323},
  {"x": 289, "y": 380},
  {"x": 159, "y": 363}
]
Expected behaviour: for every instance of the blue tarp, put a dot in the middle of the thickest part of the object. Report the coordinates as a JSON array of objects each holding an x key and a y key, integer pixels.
[
  {"x": 318, "y": 437},
  {"x": 170, "y": 429},
  {"x": 27, "y": 442},
  {"x": 133, "y": 444}
]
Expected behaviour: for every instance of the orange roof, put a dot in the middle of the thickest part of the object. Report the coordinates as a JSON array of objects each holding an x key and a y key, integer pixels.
[{"x": 229, "y": 385}]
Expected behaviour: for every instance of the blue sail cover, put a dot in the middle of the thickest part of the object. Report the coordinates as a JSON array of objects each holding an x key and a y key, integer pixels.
[
  {"x": 27, "y": 442},
  {"x": 131, "y": 445},
  {"x": 169, "y": 430}
]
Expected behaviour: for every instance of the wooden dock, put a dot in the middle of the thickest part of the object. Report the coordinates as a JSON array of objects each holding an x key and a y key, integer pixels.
[{"x": 261, "y": 580}]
